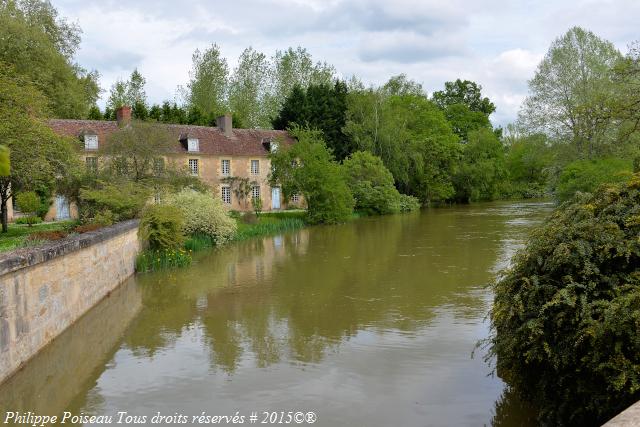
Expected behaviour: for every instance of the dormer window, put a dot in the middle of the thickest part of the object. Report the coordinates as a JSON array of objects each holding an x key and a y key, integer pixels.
[
  {"x": 193, "y": 144},
  {"x": 274, "y": 146},
  {"x": 91, "y": 142}
]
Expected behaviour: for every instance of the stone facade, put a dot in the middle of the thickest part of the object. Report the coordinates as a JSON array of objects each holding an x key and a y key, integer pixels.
[{"x": 44, "y": 290}]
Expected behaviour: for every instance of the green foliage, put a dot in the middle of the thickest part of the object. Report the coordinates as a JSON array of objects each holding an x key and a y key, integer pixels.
[
  {"x": 256, "y": 204},
  {"x": 154, "y": 260},
  {"x": 411, "y": 136},
  {"x": 528, "y": 161},
  {"x": 198, "y": 241},
  {"x": 482, "y": 173},
  {"x": 371, "y": 184},
  {"x": 130, "y": 92},
  {"x": 39, "y": 46},
  {"x": 321, "y": 107},
  {"x": 463, "y": 120},
  {"x": 5, "y": 161},
  {"x": 308, "y": 168},
  {"x": 204, "y": 214},
  {"x": 28, "y": 202},
  {"x": 209, "y": 80},
  {"x": 161, "y": 227},
  {"x": 38, "y": 156},
  {"x": 124, "y": 200},
  {"x": 566, "y": 315},
  {"x": 268, "y": 225},
  {"x": 466, "y": 93},
  {"x": 408, "y": 203},
  {"x": 28, "y": 220},
  {"x": 570, "y": 93},
  {"x": 587, "y": 175}
]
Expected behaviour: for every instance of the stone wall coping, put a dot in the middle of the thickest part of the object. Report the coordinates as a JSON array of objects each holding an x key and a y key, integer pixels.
[
  {"x": 630, "y": 417},
  {"x": 28, "y": 257}
]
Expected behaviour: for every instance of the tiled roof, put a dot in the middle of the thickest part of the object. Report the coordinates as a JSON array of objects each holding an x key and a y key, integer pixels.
[{"x": 243, "y": 142}]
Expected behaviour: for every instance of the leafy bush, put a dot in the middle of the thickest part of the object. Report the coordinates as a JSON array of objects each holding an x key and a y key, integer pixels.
[
  {"x": 408, "y": 203},
  {"x": 256, "y": 204},
  {"x": 161, "y": 226},
  {"x": 587, "y": 175},
  {"x": 124, "y": 200},
  {"x": 566, "y": 315},
  {"x": 308, "y": 168},
  {"x": 152, "y": 260},
  {"x": 204, "y": 214},
  {"x": 30, "y": 220},
  {"x": 29, "y": 203}
]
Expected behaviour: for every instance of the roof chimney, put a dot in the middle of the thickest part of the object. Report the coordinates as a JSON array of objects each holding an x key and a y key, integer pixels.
[
  {"x": 123, "y": 115},
  {"x": 225, "y": 124}
]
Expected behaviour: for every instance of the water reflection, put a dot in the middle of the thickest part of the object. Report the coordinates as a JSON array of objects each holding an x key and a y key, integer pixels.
[{"x": 367, "y": 323}]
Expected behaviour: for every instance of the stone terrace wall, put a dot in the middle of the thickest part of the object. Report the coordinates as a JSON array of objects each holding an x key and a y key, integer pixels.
[{"x": 45, "y": 289}]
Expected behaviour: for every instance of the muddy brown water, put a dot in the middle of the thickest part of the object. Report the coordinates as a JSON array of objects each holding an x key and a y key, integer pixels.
[{"x": 370, "y": 323}]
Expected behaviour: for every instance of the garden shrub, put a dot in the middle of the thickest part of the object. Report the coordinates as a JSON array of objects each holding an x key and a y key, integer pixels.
[
  {"x": 372, "y": 186},
  {"x": 30, "y": 220},
  {"x": 28, "y": 203},
  {"x": 124, "y": 200},
  {"x": 587, "y": 175},
  {"x": 205, "y": 214},
  {"x": 408, "y": 203},
  {"x": 566, "y": 315},
  {"x": 161, "y": 226}
]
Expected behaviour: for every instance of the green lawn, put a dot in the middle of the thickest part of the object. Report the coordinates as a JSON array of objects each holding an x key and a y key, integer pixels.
[{"x": 17, "y": 234}]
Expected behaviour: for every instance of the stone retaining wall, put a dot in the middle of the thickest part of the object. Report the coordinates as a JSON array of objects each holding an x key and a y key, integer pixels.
[{"x": 44, "y": 290}]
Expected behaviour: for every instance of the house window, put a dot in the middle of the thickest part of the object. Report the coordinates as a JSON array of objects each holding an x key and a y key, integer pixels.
[
  {"x": 157, "y": 197},
  {"x": 193, "y": 166},
  {"x": 158, "y": 165},
  {"x": 255, "y": 167},
  {"x": 193, "y": 144},
  {"x": 92, "y": 165},
  {"x": 255, "y": 192},
  {"x": 274, "y": 147},
  {"x": 295, "y": 198},
  {"x": 91, "y": 142},
  {"x": 226, "y": 195},
  {"x": 226, "y": 167}
]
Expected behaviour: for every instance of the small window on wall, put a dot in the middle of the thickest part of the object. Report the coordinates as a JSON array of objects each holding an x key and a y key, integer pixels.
[
  {"x": 91, "y": 142},
  {"x": 295, "y": 198},
  {"x": 225, "y": 167},
  {"x": 226, "y": 195},
  {"x": 92, "y": 164},
  {"x": 255, "y": 192},
  {"x": 193, "y": 144},
  {"x": 255, "y": 167},
  {"x": 193, "y": 167}
]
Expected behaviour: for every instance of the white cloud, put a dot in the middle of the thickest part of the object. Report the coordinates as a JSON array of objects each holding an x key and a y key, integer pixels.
[{"x": 496, "y": 43}]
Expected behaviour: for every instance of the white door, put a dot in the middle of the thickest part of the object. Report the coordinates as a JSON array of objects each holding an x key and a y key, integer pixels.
[
  {"x": 62, "y": 208},
  {"x": 275, "y": 198}
]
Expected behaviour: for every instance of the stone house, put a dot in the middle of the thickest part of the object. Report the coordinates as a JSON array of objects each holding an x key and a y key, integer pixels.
[{"x": 214, "y": 154}]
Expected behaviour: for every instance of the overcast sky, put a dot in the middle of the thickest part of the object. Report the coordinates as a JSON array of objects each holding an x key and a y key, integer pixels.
[{"x": 495, "y": 43}]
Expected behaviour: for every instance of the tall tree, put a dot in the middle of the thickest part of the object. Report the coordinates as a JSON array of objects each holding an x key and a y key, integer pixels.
[
  {"x": 39, "y": 44},
  {"x": 464, "y": 92},
  {"x": 412, "y": 137},
  {"x": 129, "y": 92},
  {"x": 567, "y": 95},
  {"x": 322, "y": 107},
  {"x": 248, "y": 89},
  {"x": 294, "y": 67},
  {"x": 209, "y": 80},
  {"x": 39, "y": 158}
]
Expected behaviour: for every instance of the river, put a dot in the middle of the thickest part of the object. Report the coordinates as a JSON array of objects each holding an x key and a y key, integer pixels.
[{"x": 370, "y": 323}]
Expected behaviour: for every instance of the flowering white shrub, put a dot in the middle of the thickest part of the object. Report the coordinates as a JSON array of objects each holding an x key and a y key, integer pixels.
[{"x": 205, "y": 214}]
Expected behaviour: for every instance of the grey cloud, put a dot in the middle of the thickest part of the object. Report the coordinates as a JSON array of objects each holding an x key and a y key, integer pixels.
[{"x": 408, "y": 48}]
